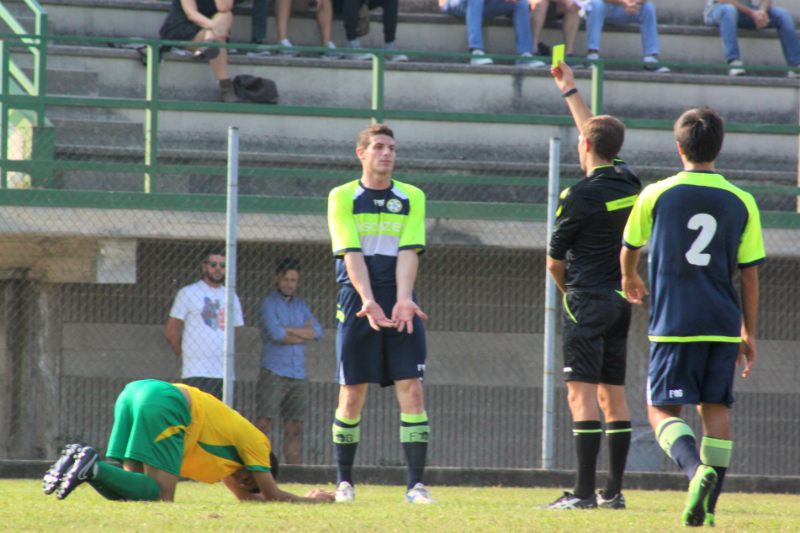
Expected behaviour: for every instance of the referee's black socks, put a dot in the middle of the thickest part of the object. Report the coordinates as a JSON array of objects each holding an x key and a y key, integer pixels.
[
  {"x": 346, "y": 434},
  {"x": 587, "y": 434},
  {"x": 414, "y": 433},
  {"x": 618, "y": 434}
]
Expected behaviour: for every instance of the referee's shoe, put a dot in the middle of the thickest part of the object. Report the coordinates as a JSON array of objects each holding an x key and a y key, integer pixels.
[{"x": 570, "y": 501}]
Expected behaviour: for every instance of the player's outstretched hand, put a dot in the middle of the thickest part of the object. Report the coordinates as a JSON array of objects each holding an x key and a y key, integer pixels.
[
  {"x": 321, "y": 494},
  {"x": 403, "y": 314},
  {"x": 634, "y": 289},
  {"x": 563, "y": 76},
  {"x": 375, "y": 315},
  {"x": 747, "y": 352}
]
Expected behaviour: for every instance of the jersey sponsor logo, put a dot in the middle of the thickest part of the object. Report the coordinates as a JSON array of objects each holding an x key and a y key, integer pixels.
[
  {"x": 383, "y": 226},
  {"x": 567, "y": 369},
  {"x": 380, "y": 202},
  {"x": 676, "y": 393},
  {"x": 395, "y": 206}
]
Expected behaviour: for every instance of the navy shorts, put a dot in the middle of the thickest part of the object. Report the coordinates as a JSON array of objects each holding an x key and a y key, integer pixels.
[
  {"x": 364, "y": 355},
  {"x": 691, "y": 373},
  {"x": 596, "y": 324}
]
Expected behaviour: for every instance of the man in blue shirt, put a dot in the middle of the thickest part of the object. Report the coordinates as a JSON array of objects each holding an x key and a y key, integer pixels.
[{"x": 286, "y": 324}]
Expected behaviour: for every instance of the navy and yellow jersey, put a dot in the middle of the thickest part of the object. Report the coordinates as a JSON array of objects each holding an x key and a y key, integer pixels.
[
  {"x": 219, "y": 441},
  {"x": 588, "y": 231},
  {"x": 378, "y": 223},
  {"x": 702, "y": 228}
]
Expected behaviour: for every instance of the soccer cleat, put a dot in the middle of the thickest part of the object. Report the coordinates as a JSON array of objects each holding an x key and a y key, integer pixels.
[
  {"x": 617, "y": 502},
  {"x": 345, "y": 492},
  {"x": 82, "y": 470},
  {"x": 570, "y": 501},
  {"x": 478, "y": 59},
  {"x": 709, "y": 520},
  {"x": 703, "y": 482},
  {"x": 419, "y": 494},
  {"x": 736, "y": 71},
  {"x": 54, "y": 474},
  {"x": 528, "y": 61}
]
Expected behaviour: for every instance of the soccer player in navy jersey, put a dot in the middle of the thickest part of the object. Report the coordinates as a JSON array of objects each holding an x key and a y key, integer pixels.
[
  {"x": 701, "y": 229},
  {"x": 377, "y": 226}
]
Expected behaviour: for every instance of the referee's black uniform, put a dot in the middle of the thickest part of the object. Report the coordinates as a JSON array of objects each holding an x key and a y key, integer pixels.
[{"x": 588, "y": 235}]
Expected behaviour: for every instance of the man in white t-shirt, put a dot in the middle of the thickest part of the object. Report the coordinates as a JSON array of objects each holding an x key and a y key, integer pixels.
[{"x": 200, "y": 309}]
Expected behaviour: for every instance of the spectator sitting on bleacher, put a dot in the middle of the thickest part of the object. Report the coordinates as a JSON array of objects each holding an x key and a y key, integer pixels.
[
  {"x": 350, "y": 13},
  {"x": 477, "y": 10},
  {"x": 543, "y": 11},
  {"x": 624, "y": 12},
  {"x": 324, "y": 13},
  {"x": 732, "y": 14},
  {"x": 204, "y": 21}
]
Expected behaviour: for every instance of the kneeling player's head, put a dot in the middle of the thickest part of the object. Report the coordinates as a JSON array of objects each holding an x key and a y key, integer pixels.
[
  {"x": 375, "y": 148},
  {"x": 700, "y": 132},
  {"x": 602, "y": 136}
]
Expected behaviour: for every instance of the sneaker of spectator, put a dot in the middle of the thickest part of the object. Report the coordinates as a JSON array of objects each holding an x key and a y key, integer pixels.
[
  {"x": 355, "y": 55},
  {"x": 334, "y": 53},
  {"x": 356, "y": 23},
  {"x": 743, "y": 14},
  {"x": 736, "y": 71},
  {"x": 478, "y": 58},
  {"x": 476, "y": 10},
  {"x": 324, "y": 14},
  {"x": 528, "y": 61},
  {"x": 655, "y": 65},
  {"x": 204, "y": 22},
  {"x": 622, "y": 12},
  {"x": 258, "y": 52},
  {"x": 548, "y": 11},
  {"x": 395, "y": 57}
]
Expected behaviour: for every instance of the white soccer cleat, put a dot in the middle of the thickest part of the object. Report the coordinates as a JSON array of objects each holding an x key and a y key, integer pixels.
[
  {"x": 419, "y": 494},
  {"x": 345, "y": 492}
]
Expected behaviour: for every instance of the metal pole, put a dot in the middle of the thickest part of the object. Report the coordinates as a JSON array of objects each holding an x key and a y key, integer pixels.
[
  {"x": 230, "y": 258},
  {"x": 550, "y": 312}
]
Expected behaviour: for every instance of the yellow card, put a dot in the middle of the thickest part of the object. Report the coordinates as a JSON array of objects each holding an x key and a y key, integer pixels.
[{"x": 558, "y": 54}]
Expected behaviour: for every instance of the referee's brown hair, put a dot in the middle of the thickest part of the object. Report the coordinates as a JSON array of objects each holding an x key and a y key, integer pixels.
[
  {"x": 700, "y": 132},
  {"x": 606, "y": 135}
]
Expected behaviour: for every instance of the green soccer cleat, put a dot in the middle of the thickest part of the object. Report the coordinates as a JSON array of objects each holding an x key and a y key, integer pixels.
[
  {"x": 703, "y": 482},
  {"x": 709, "y": 520}
]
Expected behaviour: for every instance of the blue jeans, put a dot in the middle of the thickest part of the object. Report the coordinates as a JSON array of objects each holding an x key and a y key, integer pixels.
[
  {"x": 477, "y": 10},
  {"x": 614, "y": 14},
  {"x": 259, "y": 20},
  {"x": 728, "y": 19}
]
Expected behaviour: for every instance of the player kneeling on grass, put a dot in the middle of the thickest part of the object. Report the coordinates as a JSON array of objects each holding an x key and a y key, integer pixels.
[
  {"x": 701, "y": 228},
  {"x": 162, "y": 431}
]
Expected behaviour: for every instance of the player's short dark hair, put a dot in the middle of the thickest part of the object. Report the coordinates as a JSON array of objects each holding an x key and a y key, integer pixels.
[
  {"x": 606, "y": 135},
  {"x": 287, "y": 264},
  {"x": 214, "y": 250},
  {"x": 700, "y": 132},
  {"x": 376, "y": 129}
]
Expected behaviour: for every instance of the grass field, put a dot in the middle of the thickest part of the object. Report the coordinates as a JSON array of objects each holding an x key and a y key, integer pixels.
[{"x": 202, "y": 508}]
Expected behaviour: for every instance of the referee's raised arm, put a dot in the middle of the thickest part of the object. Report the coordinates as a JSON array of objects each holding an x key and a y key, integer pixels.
[{"x": 566, "y": 82}]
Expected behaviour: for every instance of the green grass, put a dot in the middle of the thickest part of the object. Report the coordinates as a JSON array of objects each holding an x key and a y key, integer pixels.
[{"x": 201, "y": 508}]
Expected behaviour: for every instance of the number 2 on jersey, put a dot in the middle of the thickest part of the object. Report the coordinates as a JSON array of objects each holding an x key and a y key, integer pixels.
[{"x": 708, "y": 227}]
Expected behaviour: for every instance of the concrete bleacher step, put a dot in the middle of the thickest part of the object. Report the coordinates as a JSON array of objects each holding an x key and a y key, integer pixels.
[
  {"x": 29, "y": 23},
  {"x": 419, "y": 31},
  {"x": 63, "y": 82}
]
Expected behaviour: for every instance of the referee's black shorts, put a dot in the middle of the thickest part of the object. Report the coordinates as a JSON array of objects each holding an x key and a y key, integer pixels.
[{"x": 596, "y": 326}]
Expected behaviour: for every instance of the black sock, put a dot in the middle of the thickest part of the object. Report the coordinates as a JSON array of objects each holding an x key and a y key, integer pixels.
[
  {"x": 346, "y": 433},
  {"x": 714, "y": 496},
  {"x": 588, "y": 435},
  {"x": 414, "y": 433},
  {"x": 619, "y": 441},
  {"x": 677, "y": 439}
]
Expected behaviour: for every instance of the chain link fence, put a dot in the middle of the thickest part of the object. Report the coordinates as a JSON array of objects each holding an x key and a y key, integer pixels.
[{"x": 89, "y": 279}]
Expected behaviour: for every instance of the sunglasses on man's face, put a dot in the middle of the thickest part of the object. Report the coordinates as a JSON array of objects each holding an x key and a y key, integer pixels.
[{"x": 214, "y": 264}]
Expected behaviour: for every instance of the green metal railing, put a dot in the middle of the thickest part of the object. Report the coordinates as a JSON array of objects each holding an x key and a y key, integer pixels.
[{"x": 41, "y": 168}]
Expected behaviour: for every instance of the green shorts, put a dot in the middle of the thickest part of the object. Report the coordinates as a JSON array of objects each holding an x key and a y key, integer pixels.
[
  {"x": 279, "y": 397},
  {"x": 150, "y": 421}
]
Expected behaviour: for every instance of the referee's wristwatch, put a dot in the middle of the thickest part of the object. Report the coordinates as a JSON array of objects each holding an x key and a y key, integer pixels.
[{"x": 570, "y": 92}]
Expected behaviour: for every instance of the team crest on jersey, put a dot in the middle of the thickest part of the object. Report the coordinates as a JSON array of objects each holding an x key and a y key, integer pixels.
[{"x": 395, "y": 206}]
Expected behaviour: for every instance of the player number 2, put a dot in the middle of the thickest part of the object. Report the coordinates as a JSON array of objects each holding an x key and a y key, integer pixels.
[{"x": 708, "y": 227}]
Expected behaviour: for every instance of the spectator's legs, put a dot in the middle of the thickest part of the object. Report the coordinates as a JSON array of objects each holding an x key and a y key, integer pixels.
[
  {"x": 594, "y": 24},
  {"x": 325, "y": 19},
  {"x": 292, "y": 441},
  {"x": 726, "y": 17},
  {"x": 645, "y": 18},
  {"x": 570, "y": 25},
  {"x": 474, "y": 23},
  {"x": 259, "y": 21},
  {"x": 782, "y": 20},
  {"x": 219, "y": 64},
  {"x": 283, "y": 9},
  {"x": 391, "y": 9},
  {"x": 350, "y": 15},
  {"x": 538, "y": 17},
  {"x": 522, "y": 20}
]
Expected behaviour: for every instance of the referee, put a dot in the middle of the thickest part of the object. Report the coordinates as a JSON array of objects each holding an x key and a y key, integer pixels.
[{"x": 583, "y": 259}]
